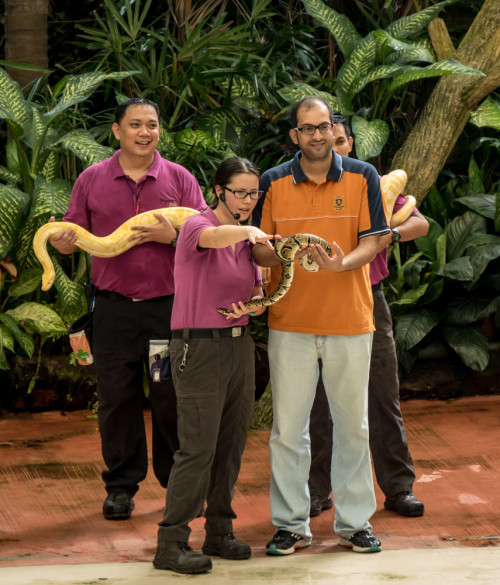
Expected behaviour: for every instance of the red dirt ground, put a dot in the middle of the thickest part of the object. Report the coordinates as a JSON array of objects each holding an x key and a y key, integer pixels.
[{"x": 52, "y": 493}]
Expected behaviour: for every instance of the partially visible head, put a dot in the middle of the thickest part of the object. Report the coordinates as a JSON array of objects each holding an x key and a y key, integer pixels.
[
  {"x": 308, "y": 103},
  {"x": 343, "y": 140},
  {"x": 121, "y": 109}
]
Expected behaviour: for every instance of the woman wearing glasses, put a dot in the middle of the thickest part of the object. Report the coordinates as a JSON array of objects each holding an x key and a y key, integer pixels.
[{"x": 212, "y": 362}]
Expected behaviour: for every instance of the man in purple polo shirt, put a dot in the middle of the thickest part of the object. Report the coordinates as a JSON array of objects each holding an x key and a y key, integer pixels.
[
  {"x": 134, "y": 297},
  {"x": 392, "y": 461}
]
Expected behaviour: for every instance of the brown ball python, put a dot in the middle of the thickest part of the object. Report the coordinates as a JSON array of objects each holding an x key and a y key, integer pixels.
[
  {"x": 391, "y": 186},
  {"x": 104, "y": 247}
]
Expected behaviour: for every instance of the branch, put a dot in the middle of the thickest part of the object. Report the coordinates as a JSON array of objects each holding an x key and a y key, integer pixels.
[
  {"x": 441, "y": 41},
  {"x": 473, "y": 95}
]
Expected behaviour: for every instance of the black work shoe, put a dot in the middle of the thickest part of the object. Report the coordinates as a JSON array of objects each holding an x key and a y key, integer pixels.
[
  {"x": 226, "y": 546},
  {"x": 362, "y": 542},
  {"x": 405, "y": 504},
  {"x": 118, "y": 506},
  {"x": 320, "y": 503},
  {"x": 181, "y": 558}
]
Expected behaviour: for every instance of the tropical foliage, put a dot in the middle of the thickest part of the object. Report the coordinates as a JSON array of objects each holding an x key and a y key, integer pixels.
[
  {"x": 43, "y": 143},
  {"x": 376, "y": 68},
  {"x": 441, "y": 294}
]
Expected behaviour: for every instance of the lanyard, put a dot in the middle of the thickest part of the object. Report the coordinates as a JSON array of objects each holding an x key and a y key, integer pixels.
[{"x": 136, "y": 193}]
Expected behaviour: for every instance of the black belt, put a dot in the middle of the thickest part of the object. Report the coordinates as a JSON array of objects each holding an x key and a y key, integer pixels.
[
  {"x": 377, "y": 286},
  {"x": 114, "y": 296},
  {"x": 208, "y": 333}
]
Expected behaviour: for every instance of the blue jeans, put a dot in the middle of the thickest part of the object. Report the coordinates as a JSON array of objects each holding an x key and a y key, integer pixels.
[{"x": 293, "y": 360}]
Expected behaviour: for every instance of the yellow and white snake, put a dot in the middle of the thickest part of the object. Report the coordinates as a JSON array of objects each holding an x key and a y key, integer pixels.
[{"x": 104, "y": 247}]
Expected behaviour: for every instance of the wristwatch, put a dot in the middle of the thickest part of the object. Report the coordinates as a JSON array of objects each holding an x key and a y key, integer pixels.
[
  {"x": 396, "y": 235},
  {"x": 174, "y": 241}
]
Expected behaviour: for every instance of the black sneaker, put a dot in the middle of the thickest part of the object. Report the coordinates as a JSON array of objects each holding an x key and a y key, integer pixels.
[
  {"x": 362, "y": 542},
  {"x": 320, "y": 503},
  {"x": 118, "y": 506},
  {"x": 285, "y": 543}
]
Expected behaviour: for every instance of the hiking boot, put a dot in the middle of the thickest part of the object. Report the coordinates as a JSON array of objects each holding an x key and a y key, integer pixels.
[
  {"x": 226, "y": 546},
  {"x": 180, "y": 557},
  {"x": 362, "y": 542},
  {"x": 285, "y": 543},
  {"x": 118, "y": 506},
  {"x": 320, "y": 503}
]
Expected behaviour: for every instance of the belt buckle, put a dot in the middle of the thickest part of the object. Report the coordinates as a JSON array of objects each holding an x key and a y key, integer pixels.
[{"x": 235, "y": 331}]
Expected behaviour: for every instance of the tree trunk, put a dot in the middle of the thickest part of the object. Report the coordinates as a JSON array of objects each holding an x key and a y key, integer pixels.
[
  {"x": 447, "y": 111},
  {"x": 26, "y": 36}
]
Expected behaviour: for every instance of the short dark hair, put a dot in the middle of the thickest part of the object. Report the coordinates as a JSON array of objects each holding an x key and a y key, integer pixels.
[
  {"x": 340, "y": 119},
  {"x": 227, "y": 169},
  {"x": 308, "y": 102},
  {"x": 123, "y": 107}
]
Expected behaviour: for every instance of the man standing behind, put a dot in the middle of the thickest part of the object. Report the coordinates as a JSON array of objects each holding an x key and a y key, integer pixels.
[
  {"x": 134, "y": 297},
  {"x": 392, "y": 461},
  {"x": 327, "y": 316}
]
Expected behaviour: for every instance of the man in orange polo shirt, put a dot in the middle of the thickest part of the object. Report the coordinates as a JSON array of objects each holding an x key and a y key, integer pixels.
[{"x": 327, "y": 316}]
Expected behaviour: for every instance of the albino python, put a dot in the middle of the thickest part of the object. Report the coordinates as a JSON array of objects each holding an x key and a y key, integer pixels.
[
  {"x": 391, "y": 186},
  {"x": 112, "y": 245}
]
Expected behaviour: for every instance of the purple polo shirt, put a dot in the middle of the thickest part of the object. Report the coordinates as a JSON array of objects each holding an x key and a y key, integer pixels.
[
  {"x": 103, "y": 198},
  {"x": 208, "y": 278},
  {"x": 378, "y": 266}
]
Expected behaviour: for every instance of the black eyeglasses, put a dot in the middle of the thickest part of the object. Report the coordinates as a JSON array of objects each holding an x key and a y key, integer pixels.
[
  {"x": 309, "y": 129},
  {"x": 241, "y": 194}
]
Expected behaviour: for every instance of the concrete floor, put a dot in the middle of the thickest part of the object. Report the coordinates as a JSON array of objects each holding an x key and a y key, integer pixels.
[{"x": 52, "y": 530}]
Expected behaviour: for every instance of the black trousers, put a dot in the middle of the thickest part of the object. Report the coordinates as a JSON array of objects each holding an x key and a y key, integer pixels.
[
  {"x": 392, "y": 461},
  {"x": 121, "y": 333},
  {"x": 215, "y": 385}
]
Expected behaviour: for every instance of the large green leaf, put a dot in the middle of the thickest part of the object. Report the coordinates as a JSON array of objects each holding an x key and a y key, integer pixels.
[
  {"x": 29, "y": 281},
  {"x": 71, "y": 295},
  {"x": 294, "y": 93},
  {"x": 6, "y": 339},
  {"x": 38, "y": 318},
  {"x": 79, "y": 87},
  {"x": 439, "y": 69},
  {"x": 83, "y": 146},
  {"x": 459, "y": 232},
  {"x": 13, "y": 203},
  {"x": 413, "y": 24},
  {"x": 410, "y": 297},
  {"x": 50, "y": 198},
  {"x": 427, "y": 244},
  {"x": 23, "y": 338},
  {"x": 404, "y": 51},
  {"x": 481, "y": 256},
  {"x": 470, "y": 345},
  {"x": 13, "y": 106},
  {"x": 483, "y": 204},
  {"x": 370, "y": 137},
  {"x": 411, "y": 328},
  {"x": 470, "y": 309},
  {"x": 487, "y": 114},
  {"x": 359, "y": 64},
  {"x": 374, "y": 73},
  {"x": 457, "y": 269},
  {"x": 342, "y": 29}
]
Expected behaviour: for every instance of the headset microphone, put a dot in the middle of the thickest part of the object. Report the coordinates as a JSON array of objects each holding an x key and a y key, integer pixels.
[{"x": 223, "y": 199}]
